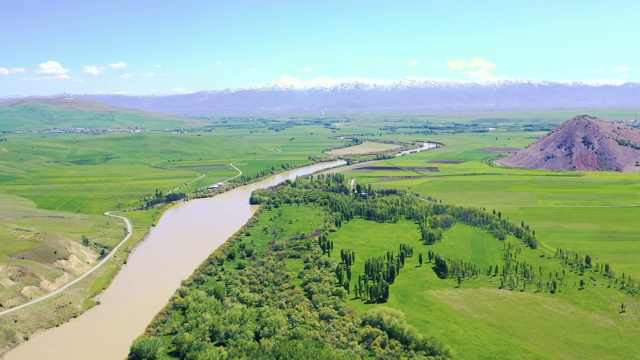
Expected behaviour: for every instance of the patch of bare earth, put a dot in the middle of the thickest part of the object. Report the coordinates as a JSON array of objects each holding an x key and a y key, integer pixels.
[
  {"x": 379, "y": 168},
  {"x": 584, "y": 143},
  {"x": 59, "y": 260},
  {"x": 453, "y": 162},
  {"x": 424, "y": 169}
]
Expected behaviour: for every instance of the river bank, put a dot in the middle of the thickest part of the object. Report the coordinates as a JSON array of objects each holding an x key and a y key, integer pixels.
[{"x": 185, "y": 235}]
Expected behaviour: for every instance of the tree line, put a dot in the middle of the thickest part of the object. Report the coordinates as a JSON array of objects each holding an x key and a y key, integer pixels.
[{"x": 260, "y": 310}]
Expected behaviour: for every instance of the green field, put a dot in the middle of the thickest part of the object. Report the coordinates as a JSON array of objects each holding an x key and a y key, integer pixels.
[
  {"x": 54, "y": 188},
  {"x": 480, "y": 321},
  {"x": 587, "y": 212},
  {"x": 478, "y": 317},
  {"x": 57, "y": 113}
]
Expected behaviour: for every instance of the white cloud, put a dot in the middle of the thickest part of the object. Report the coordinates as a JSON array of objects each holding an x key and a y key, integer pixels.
[
  {"x": 118, "y": 65},
  {"x": 413, "y": 62},
  {"x": 50, "y": 77},
  {"x": 457, "y": 64},
  {"x": 126, "y": 76},
  {"x": 51, "y": 68},
  {"x": 158, "y": 66},
  {"x": 620, "y": 69},
  {"x": 307, "y": 69},
  {"x": 252, "y": 70},
  {"x": 7, "y": 71},
  {"x": 475, "y": 63},
  {"x": 288, "y": 80},
  {"x": 597, "y": 70},
  {"x": 93, "y": 70},
  {"x": 148, "y": 75},
  {"x": 218, "y": 63},
  {"x": 482, "y": 75},
  {"x": 478, "y": 68}
]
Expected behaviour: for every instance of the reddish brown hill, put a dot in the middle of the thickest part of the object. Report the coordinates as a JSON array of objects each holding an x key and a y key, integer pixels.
[{"x": 584, "y": 143}]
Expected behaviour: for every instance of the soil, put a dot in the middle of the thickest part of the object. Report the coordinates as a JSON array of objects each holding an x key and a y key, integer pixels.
[
  {"x": 379, "y": 168},
  {"x": 454, "y": 162},
  {"x": 401, "y": 178},
  {"x": 424, "y": 169},
  {"x": 584, "y": 143}
]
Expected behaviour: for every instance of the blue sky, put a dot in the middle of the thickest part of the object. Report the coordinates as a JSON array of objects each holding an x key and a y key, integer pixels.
[{"x": 163, "y": 47}]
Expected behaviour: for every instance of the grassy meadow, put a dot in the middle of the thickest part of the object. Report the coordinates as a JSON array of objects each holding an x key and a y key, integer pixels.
[
  {"x": 50, "y": 113},
  {"x": 55, "y": 187},
  {"x": 589, "y": 212},
  {"x": 478, "y": 319}
]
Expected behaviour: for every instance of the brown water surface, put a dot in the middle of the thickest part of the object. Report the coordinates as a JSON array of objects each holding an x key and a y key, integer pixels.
[{"x": 185, "y": 235}]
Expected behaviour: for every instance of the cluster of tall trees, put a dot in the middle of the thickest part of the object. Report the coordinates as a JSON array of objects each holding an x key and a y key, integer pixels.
[
  {"x": 379, "y": 273},
  {"x": 579, "y": 264},
  {"x": 373, "y": 291},
  {"x": 261, "y": 310},
  {"x": 160, "y": 198},
  {"x": 348, "y": 257},
  {"x": 391, "y": 205},
  {"x": 406, "y": 251},
  {"x": 343, "y": 269},
  {"x": 430, "y": 235},
  {"x": 381, "y": 207},
  {"x": 325, "y": 244},
  {"x": 454, "y": 268}
]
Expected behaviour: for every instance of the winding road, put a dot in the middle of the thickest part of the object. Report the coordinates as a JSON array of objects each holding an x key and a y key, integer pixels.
[
  {"x": 115, "y": 249},
  {"x": 81, "y": 277}
]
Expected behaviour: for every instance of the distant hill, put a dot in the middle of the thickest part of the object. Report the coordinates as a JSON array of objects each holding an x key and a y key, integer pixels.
[
  {"x": 48, "y": 113},
  {"x": 584, "y": 143},
  {"x": 407, "y": 95}
]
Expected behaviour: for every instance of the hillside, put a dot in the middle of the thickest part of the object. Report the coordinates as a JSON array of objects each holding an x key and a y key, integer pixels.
[
  {"x": 584, "y": 143},
  {"x": 49, "y": 113}
]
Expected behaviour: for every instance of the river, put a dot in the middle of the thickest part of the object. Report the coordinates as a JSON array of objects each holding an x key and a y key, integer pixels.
[
  {"x": 425, "y": 146},
  {"x": 183, "y": 238}
]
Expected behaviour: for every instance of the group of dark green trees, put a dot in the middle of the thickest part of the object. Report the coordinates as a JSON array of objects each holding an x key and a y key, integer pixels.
[
  {"x": 263, "y": 311},
  {"x": 259, "y": 310},
  {"x": 159, "y": 198}
]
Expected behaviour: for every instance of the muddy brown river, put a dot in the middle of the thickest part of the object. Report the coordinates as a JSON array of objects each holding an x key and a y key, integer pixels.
[{"x": 185, "y": 235}]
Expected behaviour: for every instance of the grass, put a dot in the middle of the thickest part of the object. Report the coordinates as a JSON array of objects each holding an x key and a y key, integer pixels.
[
  {"x": 364, "y": 148},
  {"x": 41, "y": 114},
  {"x": 480, "y": 321},
  {"x": 59, "y": 185},
  {"x": 592, "y": 213},
  {"x": 587, "y": 212}
]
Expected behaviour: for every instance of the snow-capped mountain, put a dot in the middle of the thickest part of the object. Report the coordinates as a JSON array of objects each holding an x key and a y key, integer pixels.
[{"x": 406, "y": 95}]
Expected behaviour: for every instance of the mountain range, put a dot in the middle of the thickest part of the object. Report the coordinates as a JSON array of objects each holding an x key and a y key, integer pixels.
[{"x": 407, "y": 95}]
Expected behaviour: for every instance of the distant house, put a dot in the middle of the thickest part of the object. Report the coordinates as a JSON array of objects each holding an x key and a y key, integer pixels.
[{"x": 215, "y": 186}]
